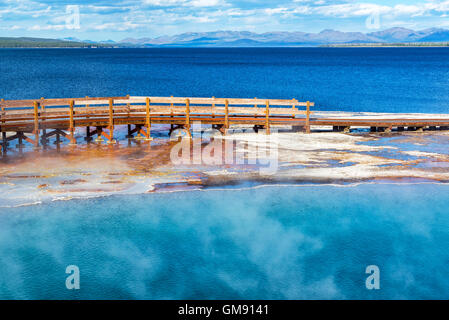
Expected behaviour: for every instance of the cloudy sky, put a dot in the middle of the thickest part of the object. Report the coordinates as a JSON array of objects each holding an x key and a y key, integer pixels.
[{"x": 102, "y": 19}]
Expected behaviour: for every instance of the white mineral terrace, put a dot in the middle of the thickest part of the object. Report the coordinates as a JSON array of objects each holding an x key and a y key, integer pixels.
[
  {"x": 296, "y": 157},
  {"x": 377, "y": 115}
]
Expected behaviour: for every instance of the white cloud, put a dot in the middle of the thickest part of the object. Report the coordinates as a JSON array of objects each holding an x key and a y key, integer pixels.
[
  {"x": 11, "y": 28},
  {"x": 121, "y": 26},
  {"x": 276, "y": 10},
  {"x": 56, "y": 27},
  {"x": 205, "y": 3},
  {"x": 185, "y": 3}
]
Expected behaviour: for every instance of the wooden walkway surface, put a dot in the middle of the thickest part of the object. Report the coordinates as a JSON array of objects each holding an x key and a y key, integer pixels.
[{"x": 35, "y": 121}]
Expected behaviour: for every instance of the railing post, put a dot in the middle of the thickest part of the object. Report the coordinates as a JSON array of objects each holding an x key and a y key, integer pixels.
[
  {"x": 213, "y": 107},
  {"x": 147, "y": 110},
  {"x": 146, "y": 134},
  {"x": 255, "y": 103},
  {"x": 171, "y": 113},
  {"x": 267, "y": 117},
  {"x": 308, "y": 117},
  {"x": 227, "y": 114},
  {"x": 294, "y": 108},
  {"x": 44, "y": 131},
  {"x": 188, "y": 117},
  {"x": 148, "y": 120},
  {"x": 72, "y": 124},
  {"x": 255, "y": 107},
  {"x": 36, "y": 123},
  {"x": 3, "y": 115},
  {"x": 111, "y": 120}
]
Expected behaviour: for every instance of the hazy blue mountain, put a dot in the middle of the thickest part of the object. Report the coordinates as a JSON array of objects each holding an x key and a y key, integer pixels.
[
  {"x": 273, "y": 39},
  {"x": 394, "y": 35},
  {"x": 437, "y": 36},
  {"x": 70, "y": 39},
  {"x": 246, "y": 38}
]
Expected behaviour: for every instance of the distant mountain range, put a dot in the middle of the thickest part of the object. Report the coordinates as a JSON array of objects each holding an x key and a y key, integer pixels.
[
  {"x": 248, "y": 39},
  {"x": 88, "y": 41},
  {"x": 271, "y": 39}
]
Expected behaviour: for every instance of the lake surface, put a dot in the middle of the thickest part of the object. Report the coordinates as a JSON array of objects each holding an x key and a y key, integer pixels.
[
  {"x": 342, "y": 79},
  {"x": 268, "y": 243}
]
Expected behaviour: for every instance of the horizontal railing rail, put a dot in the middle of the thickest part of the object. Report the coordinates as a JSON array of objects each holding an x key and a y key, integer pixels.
[{"x": 142, "y": 100}]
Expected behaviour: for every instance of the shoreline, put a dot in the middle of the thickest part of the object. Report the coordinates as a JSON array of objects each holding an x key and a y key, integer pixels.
[{"x": 230, "y": 189}]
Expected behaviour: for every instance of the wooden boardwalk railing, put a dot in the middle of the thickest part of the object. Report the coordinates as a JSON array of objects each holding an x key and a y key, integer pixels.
[
  {"x": 44, "y": 118},
  {"x": 35, "y": 121}
]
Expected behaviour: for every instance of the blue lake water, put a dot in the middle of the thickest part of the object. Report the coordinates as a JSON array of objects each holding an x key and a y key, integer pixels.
[
  {"x": 346, "y": 79},
  {"x": 268, "y": 243}
]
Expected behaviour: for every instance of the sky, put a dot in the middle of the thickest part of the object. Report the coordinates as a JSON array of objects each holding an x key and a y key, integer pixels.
[{"x": 119, "y": 19}]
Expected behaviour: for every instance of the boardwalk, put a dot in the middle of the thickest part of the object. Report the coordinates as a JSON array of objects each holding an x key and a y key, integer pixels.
[{"x": 35, "y": 121}]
